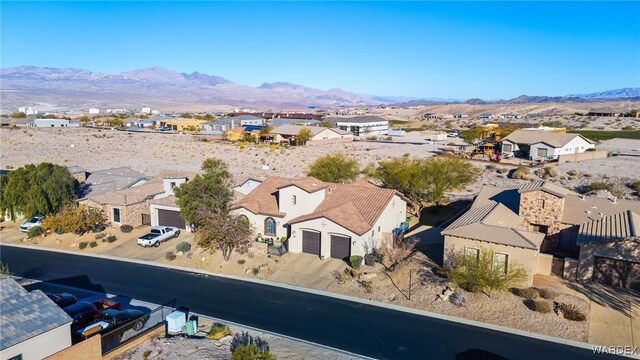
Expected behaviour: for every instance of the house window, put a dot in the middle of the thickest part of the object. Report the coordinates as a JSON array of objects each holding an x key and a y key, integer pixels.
[
  {"x": 506, "y": 148},
  {"x": 472, "y": 253},
  {"x": 17, "y": 357},
  {"x": 378, "y": 228},
  {"x": 270, "y": 227},
  {"x": 542, "y": 152},
  {"x": 116, "y": 215},
  {"x": 293, "y": 199},
  {"x": 500, "y": 262},
  {"x": 173, "y": 184},
  {"x": 541, "y": 203}
]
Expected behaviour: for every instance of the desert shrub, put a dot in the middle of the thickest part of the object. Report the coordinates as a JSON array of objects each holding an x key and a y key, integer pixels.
[
  {"x": 250, "y": 352},
  {"x": 599, "y": 185},
  {"x": 540, "y": 305},
  {"x": 34, "y": 231},
  {"x": 353, "y": 273},
  {"x": 355, "y": 261},
  {"x": 372, "y": 138},
  {"x": 111, "y": 238},
  {"x": 255, "y": 271},
  {"x": 93, "y": 244},
  {"x": 170, "y": 256},
  {"x": 503, "y": 170},
  {"x": 82, "y": 245},
  {"x": 521, "y": 172},
  {"x": 479, "y": 274},
  {"x": 491, "y": 167},
  {"x": 572, "y": 312},
  {"x": 528, "y": 293},
  {"x": 340, "y": 276},
  {"x": 218, "y": 331},
  {"x": 367, "y": 285},
  {"x": 549, "y": 171},
  {"x": 96, "y": 228},
  {"x": 369, "y": 259},
  {"x": 392, "y": 255},
  {"x": 244, "y": 339},
  {"x": 574, "y": 173},
  {"x": 242, "y": 261},
  {"x": 635, "y": 186},
  {"x": 547, "y": 294},
  {"x": 76, "y": 219},
  {"x": 457, "y": 299},
  {"x": 100, "y": 236},
  {"x": 4, "y": 270},
  {"x": 452, "y": 144},
  {"x": 126, "y": 228},
  {"x": 183, "y": 246}
]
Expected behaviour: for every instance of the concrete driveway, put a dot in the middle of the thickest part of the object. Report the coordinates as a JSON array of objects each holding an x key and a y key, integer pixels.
[
  {"x": 128, "y": 248},
  {"x": 307, "y": 270}
]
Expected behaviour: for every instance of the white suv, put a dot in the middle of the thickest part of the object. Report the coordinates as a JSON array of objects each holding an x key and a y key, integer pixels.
[{"x": 33, "y": 222}]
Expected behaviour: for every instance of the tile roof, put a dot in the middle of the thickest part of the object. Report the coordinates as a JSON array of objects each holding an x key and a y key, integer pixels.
[
  {"x": 351, "y": 206},
  {"x": 307, "y": 184},
  {"x": 263, "y": 200},
  {"x": 176, "y": 174},
  {"x": 550, "y": 138},
  {"x": 620, "y": 226},
  {"x": 165, "y": 201},
  {"x": 494, "y": 223},
  {"x": 26, "y": 314}
]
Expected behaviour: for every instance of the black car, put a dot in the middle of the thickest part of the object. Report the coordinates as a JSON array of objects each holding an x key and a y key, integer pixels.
[
  {"x": 82, "y": 313},
  {"x": 62, "y": 299},
  {"x": 118, "y": 318}
]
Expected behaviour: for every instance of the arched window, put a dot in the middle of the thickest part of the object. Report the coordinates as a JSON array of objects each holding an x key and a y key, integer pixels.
[
  {"x": 243, "y": 218},
  {"x": 270, "y": 227}
]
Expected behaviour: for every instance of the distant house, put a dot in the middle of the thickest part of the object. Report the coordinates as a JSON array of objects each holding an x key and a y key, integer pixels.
[
  {"x": 145, "y": 110},
  {"x": 509, "y": 116},
  {"x": 27, "y": 110},
  {"x": 142, "y": 123},
  {"x": 243, "y": 120},
  {"x": 544, "y": 145},
  {"x": 327, "y": 220},
  {"x": 362, "y": 125},
  {"x": 606, "y": 111},
  {"x": 235, "y": 134},
  {"x": 49, "y": 123},
  {"x": 33, "y": 326},
  {"x": 94, "y": 111},
  {"x": 460, "y": 116},
  {"x": 131, "y": 205},
  {"x": 486, "y": 116},
  {"x": 288, "y": 133}
]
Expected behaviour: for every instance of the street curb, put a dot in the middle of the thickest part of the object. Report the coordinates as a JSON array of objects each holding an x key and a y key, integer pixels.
[{"x": 503, "y": 329}]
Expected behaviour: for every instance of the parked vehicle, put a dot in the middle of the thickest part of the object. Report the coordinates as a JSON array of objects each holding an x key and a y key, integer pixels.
[
  {"x": 62, "y": 299},
  {"x": 164, "y": 129},
  {"x": 113, "y": 319},
  {"x": 157, "y": 235},
  {"x": 84, "y": 313},
  {"x": 33, "y": 222},
  {"x": 453, "y": 134}
]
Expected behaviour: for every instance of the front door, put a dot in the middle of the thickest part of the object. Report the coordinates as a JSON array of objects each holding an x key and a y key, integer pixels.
[{"x": 116, "y": 215}]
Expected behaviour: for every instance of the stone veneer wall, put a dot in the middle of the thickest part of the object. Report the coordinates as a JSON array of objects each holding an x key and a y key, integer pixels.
[{"x": 550, "y": 215}]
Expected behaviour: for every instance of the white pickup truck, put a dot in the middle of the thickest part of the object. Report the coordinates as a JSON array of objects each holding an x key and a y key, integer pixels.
[{"x": 157, "y": 235}]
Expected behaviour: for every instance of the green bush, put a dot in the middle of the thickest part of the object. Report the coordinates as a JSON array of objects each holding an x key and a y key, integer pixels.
[
  {"x": 126, "y": 228},
  {"x": 93, "y": 244},
  {"x": 82, "y": 245},
  {"x": 369, "y": 259},
  {"x": 549, "y": 171},
  {"x": 100, "y": 236},
  {"x": 548, "y": 294},
  {"x": 503, "y": 170},
  {"x": 73, "y": 218},
  {"x": 635, "y": 186},
  {"x": 541, "y": 306},
  {"x": 599, "y": 185},
  {"x": 218, "y": 331},
  {"x": 183, "y": 246},
  {"x": 34, "y": 231},
  {"x": 242, "y": 261},
  {"x": 245, "y": 339},
  {"x": 170, "y": 256},
  {"x": 355, "y": 261},
  {"x": 111, "y": 238},
  {"x": 529, "y": 293},
  {"x": 521, "y": 172},
  {"x": 250, "y": 352},
  {"x": 571, "y": 312},
  {"x": 367, "y": 285}
]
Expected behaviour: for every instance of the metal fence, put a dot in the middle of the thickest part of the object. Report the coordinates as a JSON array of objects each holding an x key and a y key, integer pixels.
[{"x": 127, "y": 332}]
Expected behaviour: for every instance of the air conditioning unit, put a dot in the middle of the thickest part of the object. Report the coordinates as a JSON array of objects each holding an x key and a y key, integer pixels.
[{"x": 175, "y": 321}]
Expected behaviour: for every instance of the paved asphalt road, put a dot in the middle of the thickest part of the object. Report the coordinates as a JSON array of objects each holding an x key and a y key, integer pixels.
[{"x": 362, "y": 329}]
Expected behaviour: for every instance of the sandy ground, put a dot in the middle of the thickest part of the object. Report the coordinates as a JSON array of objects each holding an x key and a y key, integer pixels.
[
  {"x": 151, "y": 153},
  {"x": 204, "y": 348}
]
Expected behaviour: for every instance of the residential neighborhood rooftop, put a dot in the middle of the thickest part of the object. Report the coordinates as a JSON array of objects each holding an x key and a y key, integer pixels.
[
  {"x": 623, "y": 225},
  {"x": 356, "y": 119},
  {"x": 26, "y": 314},
  {"x": 548, "y": 137}
]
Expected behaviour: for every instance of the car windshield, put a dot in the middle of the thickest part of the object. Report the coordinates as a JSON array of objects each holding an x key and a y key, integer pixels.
[
  {"x": 155, "y": 231},
  {"x": 34, "y": 219}
]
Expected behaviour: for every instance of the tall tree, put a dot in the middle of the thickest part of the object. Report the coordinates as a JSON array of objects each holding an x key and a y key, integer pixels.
[
  {"x": 422, "y": 180},
  {"x": 36, "y": 189},
  {"x": 303, "y": 136},
  {"x": 472, "y": 135},
  {"x": 335, "y": 168}
]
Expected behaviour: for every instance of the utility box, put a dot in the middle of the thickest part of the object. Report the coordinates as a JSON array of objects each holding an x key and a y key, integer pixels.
[
  {"x": 398, "y": 133},
  {"x": 175, "y": 321}
]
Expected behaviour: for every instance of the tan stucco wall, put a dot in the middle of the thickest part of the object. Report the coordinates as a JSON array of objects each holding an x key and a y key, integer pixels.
[
  {"x": 551, "y": 214},
  {"x": 544, "y": 264},
  {"x": 526, "y": 257},
  {"x": 41, "y": 346},
  {"x": 305, "y": 202},
  {"x": 623, "y": 250},
  {"x": 87, "y": 349},
  {"x": 326, "y": 135},
  {"x": 130, "y": 214},
  {"x": 257, "y": 222}
]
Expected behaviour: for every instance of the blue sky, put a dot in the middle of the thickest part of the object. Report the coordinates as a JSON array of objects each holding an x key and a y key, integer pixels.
[{"x": 419, "y": 49}]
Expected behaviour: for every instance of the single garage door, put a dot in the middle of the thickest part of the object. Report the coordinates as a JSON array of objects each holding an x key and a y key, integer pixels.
[
  {"x": 340, "y": 247},
  {"x": 617, "y": 272},
  {"x": 311, "y": 242},
  {"x": 170, "y": 218}
]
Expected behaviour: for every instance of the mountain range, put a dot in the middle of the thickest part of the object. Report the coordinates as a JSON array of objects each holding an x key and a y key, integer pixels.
[{"x": 168, "y": 89}]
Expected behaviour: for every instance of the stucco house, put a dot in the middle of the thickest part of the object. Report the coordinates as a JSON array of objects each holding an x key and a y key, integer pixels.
[
  {"x": 544, "y": 145},
  {"x": 319, "y": 135},
  {"x": 132, "y": 206},
  {"x": 328, "y": 220},
  {"x": 47, "y": 123},
  {"x": 362, "y": 125},
  {"x": 234, "y": 134},
  {"x": 559, "y": 215},
  {"x": 33, "y": 326}
]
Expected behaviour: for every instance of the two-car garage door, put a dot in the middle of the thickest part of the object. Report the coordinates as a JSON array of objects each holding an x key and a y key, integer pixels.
[
  {"x": 170, "y": 218},
  {"x": 340, "y": 245}
]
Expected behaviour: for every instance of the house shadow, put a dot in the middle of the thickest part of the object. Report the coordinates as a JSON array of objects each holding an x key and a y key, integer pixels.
[
  {"x": 81, "y": 282},
  {"x": 616, "y": 298}
]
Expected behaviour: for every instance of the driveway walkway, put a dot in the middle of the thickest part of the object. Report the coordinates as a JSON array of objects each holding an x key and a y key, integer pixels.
[
  {"x": 307, "y": 270},
  {"x": 614, "y": 317}
]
